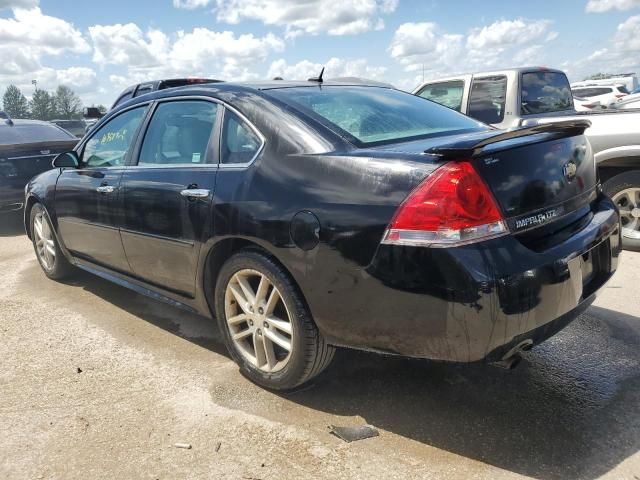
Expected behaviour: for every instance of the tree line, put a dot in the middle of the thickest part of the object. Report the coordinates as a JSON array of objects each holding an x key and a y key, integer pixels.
[{"x": 62, "y": 103}]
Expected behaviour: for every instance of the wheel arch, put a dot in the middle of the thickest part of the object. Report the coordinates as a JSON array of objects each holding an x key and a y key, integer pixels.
[
  {"x": 32, "y": 199},
  {"x": 219, "y": 252},
  {"x": 614, "y": 165}
]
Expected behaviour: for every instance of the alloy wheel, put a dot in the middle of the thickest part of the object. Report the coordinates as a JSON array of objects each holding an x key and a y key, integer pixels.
[
  {"x": 628, "y": 202},
  {"x": 258, "y": 320},
  {"x": 45, "y": 246}
]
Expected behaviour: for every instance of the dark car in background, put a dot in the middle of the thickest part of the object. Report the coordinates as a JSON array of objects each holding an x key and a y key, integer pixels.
[
  {"x": 76, "y": 128},
  {"x": 27, "y": 148},
  {"x": 305, "y": 216}
]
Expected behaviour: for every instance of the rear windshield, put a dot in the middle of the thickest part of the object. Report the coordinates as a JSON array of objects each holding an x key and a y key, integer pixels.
[
  {"x": 372, "y": 115},
  {"x": 544, "y": 92},
  {"x": 32, "y": 133}
]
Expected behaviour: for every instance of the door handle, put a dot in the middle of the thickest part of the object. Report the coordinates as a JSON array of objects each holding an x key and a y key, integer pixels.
[
  {"x": 195, "y": 193},
  {"x": 105, "y": 189}
]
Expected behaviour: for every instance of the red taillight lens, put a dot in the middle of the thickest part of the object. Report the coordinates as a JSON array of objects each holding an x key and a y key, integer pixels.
[
  {"x": 451, "y": 207},
  {"x": 620, "y": 95}
]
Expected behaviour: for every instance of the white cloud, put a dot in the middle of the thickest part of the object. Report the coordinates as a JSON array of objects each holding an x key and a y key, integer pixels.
[
  {"x": 334, "y": 67},
  {"x": 335, "y": 17},
  {"x": 599, "y": 6},
  {"x": 190, "y": 4},
  {"x": 42, "y": 34},
  {"x": 18, "y": 3},
  {"x": 504, "y": 43},
  {"x": 28, "y": 37},
  {"x": 621, "y": 54},
  {"x": 415, "y": 44},
  {"x": 201, "y": 52},
  {"x": 127, "y": 45},
  {"x": 507, "y": 32}
]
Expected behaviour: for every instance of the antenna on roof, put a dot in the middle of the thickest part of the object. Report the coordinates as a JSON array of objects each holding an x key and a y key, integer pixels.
[
  {"x": 5, "y": 116},
  {"x": 318, "y": 78}
]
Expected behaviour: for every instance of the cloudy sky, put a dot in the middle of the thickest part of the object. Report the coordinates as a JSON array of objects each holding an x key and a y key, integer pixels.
[{"x": 99, "y": 47}]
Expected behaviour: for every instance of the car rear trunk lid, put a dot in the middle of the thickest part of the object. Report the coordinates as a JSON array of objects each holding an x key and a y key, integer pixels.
[{"x": 537, "y": 175}]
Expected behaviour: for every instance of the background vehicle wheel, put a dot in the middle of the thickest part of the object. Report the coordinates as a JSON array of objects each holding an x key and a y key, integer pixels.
[
  {"x": 51, "y": 259},
  {"x": 266, "y": 324},
  {"x": 624, "y": 190}
]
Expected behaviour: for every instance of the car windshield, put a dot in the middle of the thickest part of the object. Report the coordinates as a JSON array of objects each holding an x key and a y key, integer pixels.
[
  {"x": 373, "y": 115},
  {"x": 544, "y": 92},
  {"x": 32, "y": 133}
]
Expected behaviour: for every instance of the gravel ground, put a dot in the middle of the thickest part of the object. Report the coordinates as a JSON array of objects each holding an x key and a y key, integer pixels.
[{"x": 99, "y": 382}]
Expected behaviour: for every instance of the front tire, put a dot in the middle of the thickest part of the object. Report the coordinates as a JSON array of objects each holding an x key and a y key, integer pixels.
[
  {"x": 266, "y": 324},
  {"x": 624, "y": 190},
  {"x": 48, "y": 252}
]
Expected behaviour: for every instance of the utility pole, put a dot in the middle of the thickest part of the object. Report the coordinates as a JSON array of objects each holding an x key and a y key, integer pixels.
[{"x": 35, "y": 84}]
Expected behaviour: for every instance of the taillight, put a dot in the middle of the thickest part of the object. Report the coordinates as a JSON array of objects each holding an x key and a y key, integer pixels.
[
  {"x": 453, "y": 206},
  {"x": 620, "y": 95}
]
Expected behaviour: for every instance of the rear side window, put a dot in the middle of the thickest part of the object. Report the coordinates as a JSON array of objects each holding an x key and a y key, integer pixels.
[
  {"x": 448, "y": 94},
  {"x": 623, "y": 89},
  {"x": 544, "y": 92},
  {"x": 239, "y": 144},
  {"x": 487, "y": 99},
  {"x": 32, "y": 133},
  {"x": 109, "y": 145},
  {"x": 179, "y": 133}
]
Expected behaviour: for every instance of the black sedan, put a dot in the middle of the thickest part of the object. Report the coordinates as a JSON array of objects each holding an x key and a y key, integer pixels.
[
  {"x": 27, "y": 148},
  {"x": 305, "y": 216}
]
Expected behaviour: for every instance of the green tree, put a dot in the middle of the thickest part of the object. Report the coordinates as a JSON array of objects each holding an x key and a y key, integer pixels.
[
  {"x": 67, "y": 103},
  {"x": 14, "y": 103},
  {"x": 42, "y": 105}
]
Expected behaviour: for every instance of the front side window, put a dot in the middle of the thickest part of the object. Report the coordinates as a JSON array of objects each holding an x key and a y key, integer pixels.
[
  {"x": 545, "y": 92},
  {"x": 239, "y": 143},
  {"x": 179, "y": 133},
  {"x": 448, "y": 94},
  {"x": 109, "y": 145},
  {"x": 487, "y": 99},
  {"x": 374, "y": 115}
]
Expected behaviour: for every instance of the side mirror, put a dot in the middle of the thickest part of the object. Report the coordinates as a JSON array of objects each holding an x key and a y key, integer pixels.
[{"x": 66, "y": 159}]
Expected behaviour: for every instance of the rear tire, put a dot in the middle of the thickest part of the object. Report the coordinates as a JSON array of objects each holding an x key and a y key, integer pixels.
[
  {"x": 48, "y": 252},
  {"x": 624, "y": 190},
  {"x": 266, "y": 324}
]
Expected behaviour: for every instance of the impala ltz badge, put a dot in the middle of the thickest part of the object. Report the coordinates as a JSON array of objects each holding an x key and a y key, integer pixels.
[{"x": 569, "y": 170}]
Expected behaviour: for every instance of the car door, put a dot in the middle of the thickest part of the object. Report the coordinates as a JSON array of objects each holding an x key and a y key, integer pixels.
[
  {"x": 87, "y": 200},
  {"x": 167, "y": 193}
]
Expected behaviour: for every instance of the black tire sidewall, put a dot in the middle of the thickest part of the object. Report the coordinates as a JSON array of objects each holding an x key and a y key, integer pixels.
[
  {"x": 293, "y": 373},
  {"x": 615, "y": 185}
]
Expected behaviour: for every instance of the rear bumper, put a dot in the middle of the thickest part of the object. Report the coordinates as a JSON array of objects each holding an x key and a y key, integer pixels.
[{"x": 475, "y": 302}]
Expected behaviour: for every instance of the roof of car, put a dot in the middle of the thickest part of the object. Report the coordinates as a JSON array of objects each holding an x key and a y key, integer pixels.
[
  {"x": 255, "y": 86},
  {"x": 21, "y": 121}
]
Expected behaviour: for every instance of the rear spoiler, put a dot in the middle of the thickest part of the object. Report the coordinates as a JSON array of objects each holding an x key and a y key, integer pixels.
[{"x": 472, "y": 147}]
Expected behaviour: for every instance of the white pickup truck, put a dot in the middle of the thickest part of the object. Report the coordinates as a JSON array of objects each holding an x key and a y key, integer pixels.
[{"x": 525, "y": 97}]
